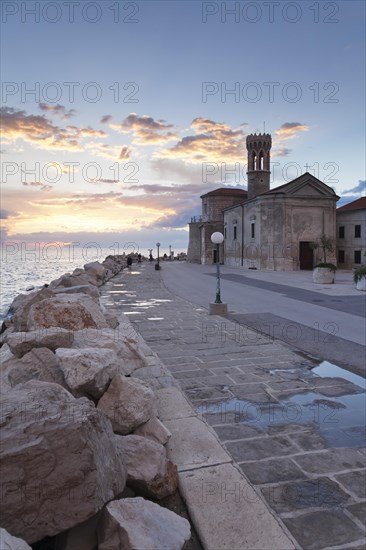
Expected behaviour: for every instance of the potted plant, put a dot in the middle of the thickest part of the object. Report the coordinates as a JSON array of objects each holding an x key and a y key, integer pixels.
[
  {"x": 324, "y": 272},
  {"x": 359, "y": 277}
]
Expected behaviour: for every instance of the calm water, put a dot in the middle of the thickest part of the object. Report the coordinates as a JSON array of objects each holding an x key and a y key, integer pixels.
[{"x": 21, "y": 270}]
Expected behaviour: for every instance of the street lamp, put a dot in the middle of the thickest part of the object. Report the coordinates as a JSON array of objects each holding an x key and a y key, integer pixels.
[
  {"x": 217, "y": 307},
  {"x": 157, "y": 266},
  {"x": 217, "y": 238},
  {"x": 170, "y": 252}
]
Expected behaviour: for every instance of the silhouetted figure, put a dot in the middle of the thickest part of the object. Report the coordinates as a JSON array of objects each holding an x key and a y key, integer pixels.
[
  {"x": 151, "y": 257},
  {"x": 139, "y": 258},
  {"x": 129, "y": 263}
]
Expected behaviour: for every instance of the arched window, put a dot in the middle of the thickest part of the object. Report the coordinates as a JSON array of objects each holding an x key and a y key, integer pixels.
[{"x": 260, "y": 161}]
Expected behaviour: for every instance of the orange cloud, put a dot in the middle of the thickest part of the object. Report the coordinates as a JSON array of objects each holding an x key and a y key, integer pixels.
[{"x": 212, "y": 142}]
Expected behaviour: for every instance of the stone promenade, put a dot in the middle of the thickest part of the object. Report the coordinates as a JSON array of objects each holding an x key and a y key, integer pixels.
[{"x": 296, "y": 431}]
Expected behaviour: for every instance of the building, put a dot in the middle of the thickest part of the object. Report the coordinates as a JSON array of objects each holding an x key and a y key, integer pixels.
[
  {"x": 351, "y": 234},
  {"x": 200, "y": 247},
  {"x": 267, "y": 229}
]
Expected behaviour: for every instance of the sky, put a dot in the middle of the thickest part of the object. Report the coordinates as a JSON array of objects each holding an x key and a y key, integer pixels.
[{"x": 117, "y": 116}]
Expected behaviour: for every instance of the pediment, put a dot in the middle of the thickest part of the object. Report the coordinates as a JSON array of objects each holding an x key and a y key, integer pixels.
[{"x": 306, "y": 186}]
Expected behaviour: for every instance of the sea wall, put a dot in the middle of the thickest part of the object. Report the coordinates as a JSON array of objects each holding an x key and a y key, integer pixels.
[{"x": 83, "y": 457}]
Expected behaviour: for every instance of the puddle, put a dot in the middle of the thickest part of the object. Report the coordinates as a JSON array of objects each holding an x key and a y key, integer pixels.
[
  {"x": 340, "y": 420},
  {"x": 326, "y": 369},
  {"x": 155, "y": 318}
]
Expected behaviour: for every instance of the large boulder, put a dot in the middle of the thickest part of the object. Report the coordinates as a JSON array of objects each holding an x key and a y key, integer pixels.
[
  {"x": 38, "y": 364},
  {"x": 58, "y": 459},
  {"x": 68, "y": 281},
  {"x": 88, "y": 371},
  {"x": 22, "y": 304},
  {"x": 128, "y": 355},
  {"x": 90, "y": 290},
  {"x": 72, "y": 312},
  {"x": 128, "y": 403},
  {"x": 96, "y": 270},
  {"x": 149, "y": 472},
  {"x": 155, "y": 430},
  {"x": 52, "y": 338},
  {"x": 137, "y": 524},
  {"x": 8, "y": 542}
]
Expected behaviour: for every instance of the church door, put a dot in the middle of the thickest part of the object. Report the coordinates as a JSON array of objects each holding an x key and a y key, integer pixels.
[{"x": 306, "y": 255}]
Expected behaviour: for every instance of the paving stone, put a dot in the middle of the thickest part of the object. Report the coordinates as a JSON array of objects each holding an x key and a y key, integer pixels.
[
  {"x": 288, "y": 385},
  {"x": 244, "y": 393},
  {"x": 234, "y": 432},
  {"x": 309, "y": 441},
  {"x": 272, "y": 471},
  {"x": 354, "y": 482},
  {"x": 321, "y": 492},
  {"x": 337, "y": 391},
  {"x": 228, "y": 513},
  {"x": 322, "y": 529},
  {"x": 279, "y": 429},
  {"x": 332, "y": 460},
  {"x": 359, "y": 511},
  {"x": 247, "y": 378},
  {"x": 259, "y": 448},
  {"x": 171, "y": 404},
  {"x": 193, "y": 445},
  {"x": 182, "y": 375},
  {"x": 198, "y": 395}
]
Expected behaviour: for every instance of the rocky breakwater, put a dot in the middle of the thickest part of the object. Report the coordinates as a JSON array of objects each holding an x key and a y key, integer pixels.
[{"x": 81, "y": 447}]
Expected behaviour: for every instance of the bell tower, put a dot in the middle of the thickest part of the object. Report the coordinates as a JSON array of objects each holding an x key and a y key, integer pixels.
[{"x": 259, "y": 156}]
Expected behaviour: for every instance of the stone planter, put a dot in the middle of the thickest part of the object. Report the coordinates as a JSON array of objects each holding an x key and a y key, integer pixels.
[
  {"x": 323, "y": 275},
  {"x": 361, "y": 284}
]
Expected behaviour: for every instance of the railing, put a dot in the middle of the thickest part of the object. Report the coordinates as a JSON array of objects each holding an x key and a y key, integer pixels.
[{"x": 196, "y": 219}]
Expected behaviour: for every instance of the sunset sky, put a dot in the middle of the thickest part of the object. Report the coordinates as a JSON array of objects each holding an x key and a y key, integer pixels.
[{"x": 117, "y": 116}]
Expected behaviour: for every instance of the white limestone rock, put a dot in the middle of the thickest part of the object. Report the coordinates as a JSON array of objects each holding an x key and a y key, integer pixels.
[
  {"x": 90, "y": 290},
  {"x": 88, "y": 371},
  {"x": 72, "y": 312},
  {"x": 52, "y": 338},
  {"x": 128, "y": 358},
  {"x": 96, "y": 270},
  {"x": 149, "y": 472},
  {"x": 128, "y": 403},
  {"x": 8, "y": 542},
  {"x": 22, "y": 304},
  {"x": 155, "y": 430},
  {"x": 38, "y": 364},
  {"x": 58, "y": 459},
  {"x": 137, "y": 524}
]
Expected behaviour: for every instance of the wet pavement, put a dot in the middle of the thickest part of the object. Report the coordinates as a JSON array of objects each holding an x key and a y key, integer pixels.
[{"x": 294, "y": 425}]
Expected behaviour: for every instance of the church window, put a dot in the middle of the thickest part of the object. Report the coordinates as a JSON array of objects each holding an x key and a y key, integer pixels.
[
  {"x": 206, "y": 208},
  {"x": 341, "y": 256},
  {"x": 225, "y": 232},
  {"x": 252, "y": 230},
  {"x": 235, "y": 232},
  {"x": 341, "y": 232},
  {"x": 357, "y": 231},
  {"x": 357, "y": 256}
]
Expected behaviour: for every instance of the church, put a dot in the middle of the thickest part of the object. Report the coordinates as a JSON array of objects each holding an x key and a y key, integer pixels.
[{"x": 265, "y": 228}]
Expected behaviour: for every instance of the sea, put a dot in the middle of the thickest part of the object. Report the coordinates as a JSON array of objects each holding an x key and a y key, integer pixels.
[{"x": 26, "y": 268}]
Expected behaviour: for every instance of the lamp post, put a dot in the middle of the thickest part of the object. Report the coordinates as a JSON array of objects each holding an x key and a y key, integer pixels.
[
  {"x": 170, "y": 252},
  {"x": 157, "y": 266},
  {"x": 217, "y": 308}
]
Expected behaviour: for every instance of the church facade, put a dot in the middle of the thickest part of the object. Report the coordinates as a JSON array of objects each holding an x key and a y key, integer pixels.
[{"x": 267, "y": 229}]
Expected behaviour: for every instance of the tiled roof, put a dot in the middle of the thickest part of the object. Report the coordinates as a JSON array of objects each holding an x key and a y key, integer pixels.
[
  {"x": 358, "y": 204},
  {"x": 228, "y": 192}
]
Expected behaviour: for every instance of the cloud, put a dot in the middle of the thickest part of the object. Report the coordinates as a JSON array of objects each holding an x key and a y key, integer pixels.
[
  {"x": 102, "y": 180},
  {"x": 114, "y": 152},
  {"x": 125, "y": 153},
  {"x": 105, "y": 119},
  {"x": 58, "y": 109},
  {"x": 360, "y": 188},
  {"x": 5, "y": 214},
  {"x": 41, "y": 132},
  {"x": 290, "y": 130},
  {"x": 145, "y": 129},
  {"x": 212, "y": 142},
  {"x": 42, "y": 186}
]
